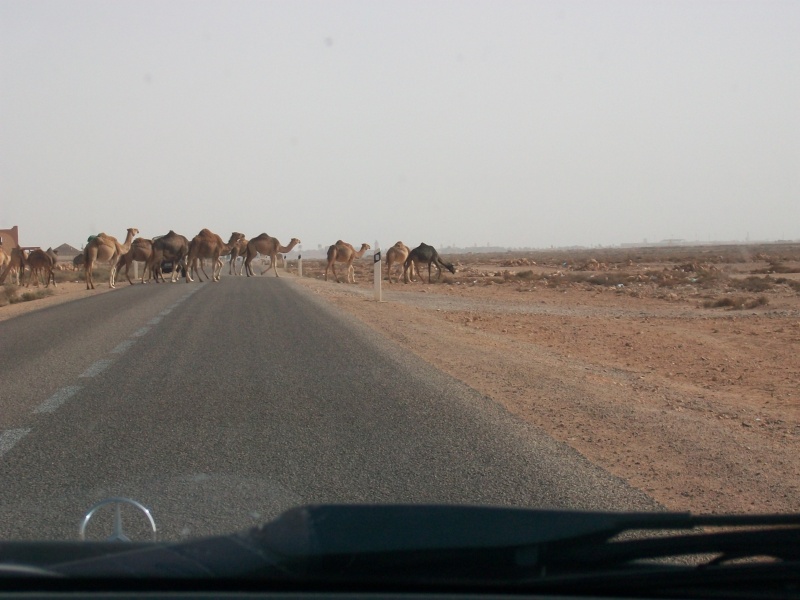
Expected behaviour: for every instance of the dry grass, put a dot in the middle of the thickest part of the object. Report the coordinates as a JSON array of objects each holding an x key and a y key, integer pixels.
[
  {"x": 10, "y": 294},
  {"x": 736, "y": 302},
  {"x": 752, "y": 284}
]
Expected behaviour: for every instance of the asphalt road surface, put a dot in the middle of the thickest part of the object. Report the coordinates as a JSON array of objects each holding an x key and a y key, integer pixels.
[{"x": 219, "y": 405}]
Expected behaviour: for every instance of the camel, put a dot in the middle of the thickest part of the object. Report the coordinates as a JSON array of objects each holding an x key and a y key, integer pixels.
[
  {"x": 16, "y": 266},
  {"x": 282, "y": 252},
  {"x": 40, "y": 264},
  {"x": 239, "y": 249},
  {"x": 105, "y": 248},
  {"x": 397, "y": 254},
  {"x": 172, "y": 247},
  {"x": 77, "y": 262},
  {"x": 207, "y": 244},
  {"x": 141, "y": 250},
  {"x": 268, "y": 246},
  {"x": 344, "y": 252},
  {"x": 425, "y": 254}
]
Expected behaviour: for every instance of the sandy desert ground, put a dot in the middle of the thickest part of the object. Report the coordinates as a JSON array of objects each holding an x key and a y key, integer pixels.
[{"x": 673, "y": 368}]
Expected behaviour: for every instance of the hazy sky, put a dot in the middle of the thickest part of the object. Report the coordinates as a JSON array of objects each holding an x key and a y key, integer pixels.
[{"x": 512, "y": 123}]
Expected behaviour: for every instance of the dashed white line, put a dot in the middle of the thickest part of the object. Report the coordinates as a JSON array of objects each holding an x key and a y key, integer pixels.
[
  {"x": 140, "y": 332},
  {"x": 57, "y": 399},
  {"x": 97, "y": 368},
  {"x": 155, "y": 320},
  {"x": 165, "y": 312},
  {"x": 123, "y": 346},
  {"x": 10, "y": 437}
]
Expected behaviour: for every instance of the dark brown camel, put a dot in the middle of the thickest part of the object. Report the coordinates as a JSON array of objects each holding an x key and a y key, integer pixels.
[
  {"x": 425, "y": 254},
  {"x": 172, "y": 247}
]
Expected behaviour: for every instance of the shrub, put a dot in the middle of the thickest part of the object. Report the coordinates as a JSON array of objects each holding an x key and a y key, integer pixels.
[
  {"x": 736, "y": 302},
  {"x": 753, "y": 284}
]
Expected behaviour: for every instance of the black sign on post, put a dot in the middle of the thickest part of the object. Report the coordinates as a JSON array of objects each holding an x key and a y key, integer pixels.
[{"x": 376, "y": 258}]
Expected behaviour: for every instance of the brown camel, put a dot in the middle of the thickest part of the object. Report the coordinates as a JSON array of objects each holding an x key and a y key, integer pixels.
[
  {"x": 344, "y": 252},
  {"x": 140, "y": 251},
  {"x": 239, "y": 249},
  {"x": 105, "y": 248},
  {"x": 40, "y": 265},
  {"x": 16, "y": 266},
  {"x": 396, "y": 255},
  {"x": 208, "y": 244},
  {"x": 425, "y": 254},
  {"x": 268, "y": 246},
  {"x": 171, "y": 247}
]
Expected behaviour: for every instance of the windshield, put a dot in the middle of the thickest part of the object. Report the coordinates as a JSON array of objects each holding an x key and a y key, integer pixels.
[{"x": 518, "y": 254}]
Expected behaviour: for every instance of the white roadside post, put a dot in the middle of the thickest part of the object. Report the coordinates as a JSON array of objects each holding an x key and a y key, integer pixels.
[
  {"x": 135, "y": 269},
  {"x": 300, "y": 260},
  {"x": 376, "y": 269}
]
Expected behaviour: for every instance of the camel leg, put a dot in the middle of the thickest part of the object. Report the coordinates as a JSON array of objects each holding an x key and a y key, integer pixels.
[
  {"x": 88, "y": 274},
  {"x": 112, "y": 276},
  {"x": 333, "y": 268},
  {"x": 203, "y": 269}
]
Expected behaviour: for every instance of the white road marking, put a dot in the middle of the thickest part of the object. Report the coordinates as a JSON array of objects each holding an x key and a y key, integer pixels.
[
  {"x": 155, "y": 320},
  {"x": 57, "y": 399},
  {"x": 140, "y": 332},
  {"x": 10, "y": 437},
  {"x": 97, "y": 368},
  {"x": 123, "y": 346},
  {"x": 165, "y": 312}
]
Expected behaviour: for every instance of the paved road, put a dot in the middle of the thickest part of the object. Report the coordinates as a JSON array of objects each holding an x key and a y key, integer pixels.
[{"x": 220, "y": 405}]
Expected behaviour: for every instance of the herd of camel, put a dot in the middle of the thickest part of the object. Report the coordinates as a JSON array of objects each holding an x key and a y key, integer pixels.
[{"x": 188, "y": 256}]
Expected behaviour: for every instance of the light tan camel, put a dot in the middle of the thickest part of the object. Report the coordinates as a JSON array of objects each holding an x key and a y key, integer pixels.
[
  {"x": 268, "y": 246},
  {"x": 40, "y": 265},
  {"x": 5, "y": 258},
  {"x": 282, "y": 251},
  {"x": 344, "y": 252},
  {"x": 16, "y": 266},
  {"x": 239, "y": 249},
  {"x": 397, "y": 255},
  {"x": 141, "y": 250},
  {"x": 105, "y": 248},
  {"x": 208, "y": 244}
]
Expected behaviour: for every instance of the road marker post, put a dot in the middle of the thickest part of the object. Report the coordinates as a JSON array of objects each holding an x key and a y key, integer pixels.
[
  {"x": 300, "y": 260},
  {"x": 376, "y": 269}
]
